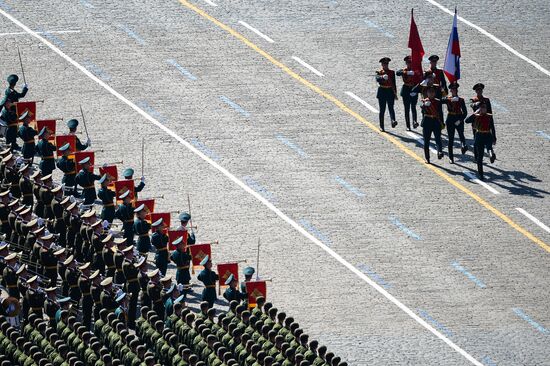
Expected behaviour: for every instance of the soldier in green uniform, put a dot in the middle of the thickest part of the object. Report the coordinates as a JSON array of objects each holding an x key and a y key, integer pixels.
[
  {"x": 9, "y": 116},
  {"x": 160, "y": 241},
  {"x": 85, "y": 286},
  {"x": 51, "y": 306},
  {"x": 46, "y": 196},
  {"x": 10, "y": 93},
  {"x": 184, "y": 218},
  {"x": 45, "y": 150},
  {"x": 231, "y": 293},
  {"x": 107, "y": 253},
  {"x": 27, "y": 134},
  {"x": 85, "y": 178},
  {"x": 25, "y": 185},
  {"x": 121, "y": 310},
  {"x": 35, "y": 297},
  {"x": 128, "y": 174},
  {"x": 182, "y": 259},
  {"x": 131, "y": 272},
  {"x": 107, "y": 197},
  {"x": 143, "y": 280},
  {"x": 108, "y": 295},
  {"x": 56, "y": 205},
  {"x": 9, "y": 277},
  {"x": 71, "y": 277},
  {"x": 141, "y": 229},
  {"x": 68, "y": 167},
  {"x": 248, "y": 273},
  {"x": 48, "y": 259},
  {"x": 153, "y": 290},
  {"x": 118, "y": 256},
  {"x": 208, "y": 278},
  {"x": 125, "y": 213},
  {"x": 172, "y": 294},
  {"x": 73, "y": 124},
  {"x": 95, "y": 289}
]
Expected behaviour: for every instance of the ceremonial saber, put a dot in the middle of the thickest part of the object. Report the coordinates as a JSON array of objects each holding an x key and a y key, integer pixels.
[
  {"x": 21, "y": 63},
  {"x": 84, "y": 123},
  {"x": 190, "y": 216},
  {"x": 101, "y": 166},
  {"x": 142, "y": 154},
  {"x": 258, "y": 262}
]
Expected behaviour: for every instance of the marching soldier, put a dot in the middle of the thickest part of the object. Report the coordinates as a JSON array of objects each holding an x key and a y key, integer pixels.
[
  {"x": 410, "y": 97},
  {"x": 68, "y": 167},
  {"x": 208, "y": 278},
  {"x": 231, "y": 293},
  {"x": 476, "y": 101},
  {"x": 387, "y": 91},
  {"x": 432, "y": 121},
  {"x": 184, "y": 218},
  {"x": 160, "y": 241},
  {"x": 248, "y": 273},
  {"x": 154, "y": 292},
  {"x": 73, "y": 124},
  {"x": 182, "y": 259},
  {"x": 132, "y": 284},
  {"x": 108, "y": 295},
  {"x": 456, "y": 114},
  {"x": 25, "y": 185},
  {"x": 10, "y": 93},
  {"x": 141, "y": 229},
  {"x": 85, "y": 178},
  {"x": 9, "y": 115},
  {"x": 484, "y": 137},
  {"x": 128, "y": 174},
  {"x": 172, "y": 294},
  {"x": 45, "y": 150},
  {"x": 125, "y": 213},
  {"x": 107, "y": 197},
  {"x": 27, "y": 134},
  {"x": 85, "y": 287},
  {"x": 35, "y": 297},
  {"x": 438, "y": 77}
]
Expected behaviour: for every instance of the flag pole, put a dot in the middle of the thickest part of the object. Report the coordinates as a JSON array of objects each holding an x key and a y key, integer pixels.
[
  {"x": 258, "y": 262},
  {"x": 190, "y": 216},
  {"x": 21, "y": 63},
  {"x": 84, "y": 122},
  {"x": 142, "y": 154}
]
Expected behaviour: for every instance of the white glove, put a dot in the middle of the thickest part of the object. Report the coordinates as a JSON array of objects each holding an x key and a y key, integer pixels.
[
  {"x": 457, "y": 123},
  {"x": 72, "y": 199},
  {"x": 476, "y": 104},
  {"x": 385, "y": 77},
  {"x": 119, "y": 292},
  {"x": 410, "y": 72},
  {"x": 180, "y": 287},
  {"x": 40, "y": 221},
  {"x": 454, "y": 99},
  {"x": 142, "y": 179},
  {"x": 89, "y": 142},
  {"x": 427, "y": 103},
  {"x": 413, "y": 94},
  {"x": 25, "y": 86},
  {"x": 105, "y": 224},
  {"x": 105, "y": 165},
  {"x": 424, "y": 82}
]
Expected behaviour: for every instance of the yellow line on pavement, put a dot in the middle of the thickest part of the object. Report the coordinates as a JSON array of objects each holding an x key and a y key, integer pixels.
[{"x": 361, "y": 119}]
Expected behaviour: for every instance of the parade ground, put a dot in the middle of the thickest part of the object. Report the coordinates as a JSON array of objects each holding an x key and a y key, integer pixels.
[{"x": 265, "y": 113}]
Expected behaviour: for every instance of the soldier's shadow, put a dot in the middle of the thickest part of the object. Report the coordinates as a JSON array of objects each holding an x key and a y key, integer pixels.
[{"x": 514, "y": 181}]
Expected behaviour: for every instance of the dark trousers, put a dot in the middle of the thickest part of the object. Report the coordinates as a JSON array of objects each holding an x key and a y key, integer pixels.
[
  {"x": 482, "y": 141},
  {"x": 451, "y": 128},
  {"x": 87, "y": 305},
  {"x": 385, "y": 97},
  {"x": 429, "y": 126},
  {"x": 132, "y": 309},
  {"x": 409, "y": 103}
]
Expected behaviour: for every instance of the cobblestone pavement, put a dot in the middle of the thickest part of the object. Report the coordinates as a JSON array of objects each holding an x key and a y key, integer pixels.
[{"x": 476, "y": 278}]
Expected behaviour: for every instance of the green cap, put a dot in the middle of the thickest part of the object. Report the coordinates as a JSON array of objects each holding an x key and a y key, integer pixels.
[
  {"x": 249, "y": 271},
  {"x": 184, "y": 216},
  {"x": 72, "y": 123},
  {"x": 128, "y": 172},
  {"x": 12, "y": 79}
]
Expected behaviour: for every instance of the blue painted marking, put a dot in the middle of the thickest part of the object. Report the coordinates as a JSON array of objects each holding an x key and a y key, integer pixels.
[
  {"x": 96, "y": 70},
  {"x": 403, "y": 228},
  {"x": 498, "y": 106},
  {"x": 464, "y": 271},
  {"x": 373, "y": 275},
  {"x": 487, "y": 361},
  {"x": 152, "y": 111},
  {"x": 259, "y": 188},
  {"x": 356, "y": 191},
  {"x": 427, "y": 317},
  {"x": 132, "y": 34},
  {"x": 528, "y": 319},
  {"x": 543, "y": 134},
  {"x": 52, "y": 38},
  {"x": 235, "y": 106},
  {"x": 292, "y": 145},
  {"x": 183, "y": 71},
  {"x": 204, "y": 149},
  {"x": 5, "y": 6},
  {"x": 316, "y": 232},
  {"x": 374, "y": 25},
  {"x": 87, "y": 4}
]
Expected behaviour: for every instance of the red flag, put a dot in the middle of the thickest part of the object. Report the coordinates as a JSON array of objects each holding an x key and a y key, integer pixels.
[
  {"x": 255, "y": 289},
  {"x": 22, "y": 107},
  {"x": 149, "y": 207},
  {"x": 122, "y": 186},
  {"x": 165, "y": 219},
  {"x": 50, "y": 125},
  {"x": 173, "y": 235},
  {"x": 417, "y": 51},
  {"x": 61, "y": 140},
  {"x": 198, "y": 252},
  {"x": 224, "y": 271},
  {"x": 79, "y": 155},
  {"x": 112, "y": 174}
]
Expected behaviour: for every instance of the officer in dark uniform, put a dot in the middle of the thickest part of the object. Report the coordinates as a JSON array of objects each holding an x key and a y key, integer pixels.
[
  {"x": 95, "y": 289},
  {"x": 35, "y": 297},
  {"x": 4, "y": 212},
  {"x": 73, "y": 222},
  {"x": 248, "y": 273},
  {"x": 143, "y": 280},
  {"x": 25, "y": 185},
  {"x": 125, "y": 213},
  {"x": 11, "y": 175},
  {"x": 9, "y": 116},
  {"x": 121, "y": 244},
  {"x": 154, "y": 292},
  {"x": 480, "y": 98},
  {"x": 232, "y": 293},
  {"x": 85, "y": 178},
  {"x": 141, "y": 229},
  {"x": 61, "y": 255},
  {"x": 387, "y": 91},
  {"x": 485, "y": 136},
  {"x": 185, "y": 218},
  {"x": 410, "y": 97},
  {"x": 27, "y": 134},
  {"x": 73, "y": 124},
  {"x": 438, "y": 77},
  {"x": 45, "y": 150},
  {"x": 51, "y": 305},
  {"x": 121, "y": 312},
  {"x": 132, "y": 284},
  {"x": 456, "y": 113},
  {"x": 432, "y": 121},
  {"x": 59, "y": 226},
  {"x": 46, "y": 196},
  {"x": 208, "y": 278},
  {"x": 85, "y": 286},
  {"x": 10, "y": 93},
  {"x": 71, "y": 276},
  {"x": 9, "y": 277},
  {"x": 108, "y": 295},
  {"x": 160, "y": 241},
  {"x": 97, "y": 247},
  {"x": 128, "y": 174},
  {"x": 182, "y": 259},
  {"x": 68, "y": 167},
  {"x": 108, "y": 255},
  {"x": 48, "y": 259},
  {"x": 107, "y": 197}
]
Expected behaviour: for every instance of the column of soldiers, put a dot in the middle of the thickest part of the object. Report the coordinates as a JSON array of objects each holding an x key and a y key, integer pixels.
[
  {"x": 434, "y": 94},
  {"x": 73, "y": 284}
]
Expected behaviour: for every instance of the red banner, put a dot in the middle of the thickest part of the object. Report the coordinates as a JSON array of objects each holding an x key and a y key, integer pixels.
[
  {"x": 22, "y": 107},
  {"x": 50, "y": 125},
  {"x": 255, "y": 289},
  {"x": 80, "y": 155},
  {"x": 112, "y": 174},
  {"x": 224, "y": 271},
  {"x": 61, "y": 140},
  {"x": 122, "y": 186},
  {"x": 198, "y": 252},
  {"x": 173, "y": 235},
  {"x": 165, "y": 219},
  {"x": 149, "y": 207}
]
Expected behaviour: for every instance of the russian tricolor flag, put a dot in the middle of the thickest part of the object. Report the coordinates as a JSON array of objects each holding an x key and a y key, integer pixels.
[{"x": 452, "y": 59}]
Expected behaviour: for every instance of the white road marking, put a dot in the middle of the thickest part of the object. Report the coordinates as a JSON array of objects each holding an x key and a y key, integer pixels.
[
  {"x": 367, "y": 105},
  {"x": 210, "y": 2},
  {"x": 307, "y": 66},
  {"x": 492, "y": 37},
  {"x": 256, "y": 31},
  {"x": 48, "y": 32},
  {"x": 475, "y": 179},
  {"x": 534, "y": 219},
  {"x": 249, "y": 190},
  {"x": 421, "y": 140}
]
